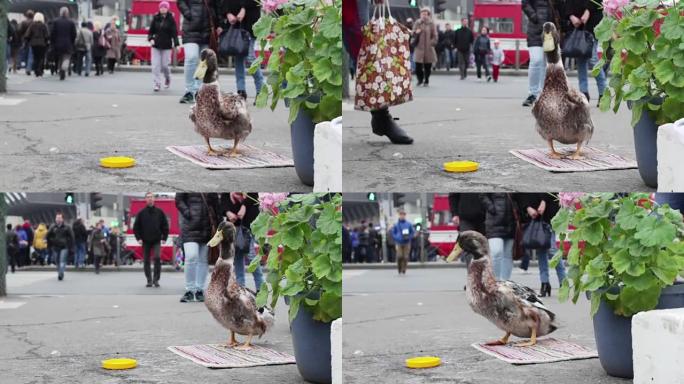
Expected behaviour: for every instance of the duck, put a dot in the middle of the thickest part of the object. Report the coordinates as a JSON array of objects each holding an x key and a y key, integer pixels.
[
  {"x": 234, "y": 306},
  {"x": 561, "y": 111},
  {"x": 218, "y": 115},
  {"x": 512, "y": 307}
]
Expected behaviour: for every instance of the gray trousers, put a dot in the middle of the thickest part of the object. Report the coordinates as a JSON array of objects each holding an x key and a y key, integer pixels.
[
  {"x": 161, "y": 58},
  {"x": 65, "y": 62}
]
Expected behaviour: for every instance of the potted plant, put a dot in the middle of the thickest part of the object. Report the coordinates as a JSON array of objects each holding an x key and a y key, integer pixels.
[
  {"x": 304, "y": 68},
  {"x": 632, "y": 254},
  {"x": 645, "y": 36},
  {"x": 307, "y": 271}
]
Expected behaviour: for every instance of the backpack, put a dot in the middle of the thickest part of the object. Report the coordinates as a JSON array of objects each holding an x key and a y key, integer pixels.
[{"x": 80, "y": 41}]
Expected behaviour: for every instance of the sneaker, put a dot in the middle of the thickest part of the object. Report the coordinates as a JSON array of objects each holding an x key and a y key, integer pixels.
[
  {"x": 188, "y": 98},
  {"x": 60, "y": 277},
  {"x": 156, "y": 88},
  {"x": 167, "y": 83},
  {"x": 586, "y": 94},
  {"x": 243, "y": 94},
  {"x": 199, "y": 296},
  {"x": 187, "y": 297},
  {"x": 419, "y": 84},
  {"x": 148, "y": 284},
  {"x": 489, "y": 78},
  {"x": 156, "y": 284},
  {"x": 598, "y": 103},
  {"x": 529, "y": 101}
]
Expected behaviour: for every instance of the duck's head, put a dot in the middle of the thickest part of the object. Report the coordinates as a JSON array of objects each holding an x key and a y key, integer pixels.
[
  {"x": 551, "y": 45},
  {"x": 472, "y": 242},
  {"x": 225, "y": 236},
  {"x": 207, "y": 69}
]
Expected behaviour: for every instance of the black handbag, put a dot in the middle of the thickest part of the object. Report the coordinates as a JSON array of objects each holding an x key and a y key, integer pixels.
[
  {"x": 243, "y": 238},
  {"x": 234, "y": 42},
  {"x": 578, "y": 43},
  {"x": 537, "y": 235}
]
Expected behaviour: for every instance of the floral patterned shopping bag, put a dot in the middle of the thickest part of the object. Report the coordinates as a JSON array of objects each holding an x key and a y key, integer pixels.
[{"x": 383, "y": 67}]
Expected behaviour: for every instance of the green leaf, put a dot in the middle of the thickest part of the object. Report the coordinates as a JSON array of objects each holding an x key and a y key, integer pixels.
[
  {"x": 653, "y": 232},
  {"x": 262, "y": 296},
  {"x": 637, "y": 110},
  {"x": 635, "y": 301},
  {"x": 595, "y": 302},
  {"x": 294, "y": 110},
  {"x": 294, "y": 307},
  {"x": 564, "y": 291},
  {"x": 664, "y": 71},
  {"x": 262, "y": 28},
  {"x": 321, "y": 266}
]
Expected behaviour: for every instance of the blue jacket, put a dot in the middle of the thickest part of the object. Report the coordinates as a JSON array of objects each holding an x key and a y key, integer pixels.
[{"x": 401, "y": 228}]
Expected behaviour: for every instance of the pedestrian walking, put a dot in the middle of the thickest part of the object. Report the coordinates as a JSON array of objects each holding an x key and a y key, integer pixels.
[
  {"x": 62, "y": 37},
  {"x": 364, "y": 241},
  {"x": 114, "y": 40},
  {"x": 242, "y": 14},
  {"x": 355, "y": 244},
  {"x": 425, "y": 39},
  {"x": 12, "y": 247},
  {"x": 81, "y": 239},
  {"x": 60, "y": 239},
  {"x": 83, "y": 46},
  {"x": 40, "y": 244},
  {"x": 98, "y": 245},
  {"x": 15, "y": 41},
  {"x": 449, "y": 45},
  {"x": 241, "y": 209},
  {"x": 346, "y": 245},
  {"x": 538, "y": 12},
  {"x": 464, "y": 39},
  {"x": 198, "y": 211},
  {"x": 199, "y": 19},
  {"x": 482, "y": 48},
  {"x": 542, "y": 206},
  {"x": 403, "y": 232},
  {"x": 498, "y": 59},
  {"x": 100, "y": 46},
  {"x": 500, "y": 231},
  {"x": 391, "y": 245},
  {"x": 37, "y": 38},
  {"x": 151, "y": 229},
  {"x": 26, "y": 54},
  {"x": 163, "y": 37}
]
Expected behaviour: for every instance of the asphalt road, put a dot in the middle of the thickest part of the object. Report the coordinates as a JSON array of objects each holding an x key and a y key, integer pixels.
[
  {"x": 60, "y": 331},
  {"x": 479, "y": 121},
  {"x": 388, "y": 318},
  {"x": 54, "y": 133}
]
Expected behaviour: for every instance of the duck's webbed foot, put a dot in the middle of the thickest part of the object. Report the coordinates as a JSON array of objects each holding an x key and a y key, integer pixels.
[
  {"x": 213, "y": 152},
  {"x": 232, "y": 342},
  {"x": 531, "y": 342},
  {"x": 234, "y": 151},
  {"x": 247, "y": 345},
  {"x": 578, "y": 153},
  {"x": 553, "y": 154},
  {"x": 503, "y": 341}
]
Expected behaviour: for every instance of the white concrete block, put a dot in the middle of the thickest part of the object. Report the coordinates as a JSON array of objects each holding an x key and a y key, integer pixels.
[
  {"x": 336, "y": 350},
  {"x": 328, "y": 156},
  {"x": 671, "y": 157},
  {"x": 658, "y": 346}
]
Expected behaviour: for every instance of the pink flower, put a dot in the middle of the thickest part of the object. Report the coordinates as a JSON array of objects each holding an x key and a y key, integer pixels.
[
  {"x": 271, "y": 6},
  {"x": 613, "y": 7},
  {"x": 568, "y": 199},
  {"x": 268, "y": 202}
]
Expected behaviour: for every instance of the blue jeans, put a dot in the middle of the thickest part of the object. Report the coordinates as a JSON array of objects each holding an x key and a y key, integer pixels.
[
  {"x": 585, "y": 65},
  {"x": 80, "y": 254},
  {"x": 239, "y": 265},
  {"x": 543, "y": 256},
  {"x": 196, "y": 266},
  {"x": 88, "y": 61},
  {"x": 60, "y": 256},
  {"x": 192, "y": 52},
  {"x": 674, "y": 200},
  {"x": 27, "y": 57},
  {"x": 502, "y": 257},
  {"x": 537, "y": 70},
  {"x": 241, "y": 65},
  {"x": 44, "y": 255}
]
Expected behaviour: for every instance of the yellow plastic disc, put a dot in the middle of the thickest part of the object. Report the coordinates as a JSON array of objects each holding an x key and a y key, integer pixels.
[
  {"x": 119, "y": 364},
  {"x": 117, "y": 162},
  {"x": 461, "y": 166},
  {"x": 423, "y": 362}
]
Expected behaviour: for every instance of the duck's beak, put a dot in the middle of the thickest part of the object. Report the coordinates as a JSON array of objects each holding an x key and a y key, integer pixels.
[
  {"x": 454, "y": 253},
  {"x": 218, "y": 238},
  {"x": 201, "y": 70},
  {"x": 549, "y": 43}
]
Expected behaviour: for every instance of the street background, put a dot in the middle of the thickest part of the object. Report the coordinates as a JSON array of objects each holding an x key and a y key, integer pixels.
[
  {"x": 479, "y": 121},
  {"x": 54, "y": 133},
  {"x": 60, "y": 331},
  {"x": 389, "y": 318}
]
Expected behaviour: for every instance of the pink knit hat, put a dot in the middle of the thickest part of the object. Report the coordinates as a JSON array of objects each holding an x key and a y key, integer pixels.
[{"x": 163, "y": 4}]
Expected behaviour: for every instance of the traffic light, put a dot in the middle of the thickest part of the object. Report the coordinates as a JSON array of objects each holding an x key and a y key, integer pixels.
[
  {"x": 372, "y": 196},
  {"x": 413, "y": 3},
  {"x": 440, "y": 6},
  {"x": 399, "y": 199},
  {"x": 69, "y": 198},
  {"x": 95, "y": 201}
]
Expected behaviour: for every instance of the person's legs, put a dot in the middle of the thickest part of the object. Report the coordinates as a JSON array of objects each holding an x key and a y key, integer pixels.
[
  {"x": 192, "y": 51},
  {"x": 191, "y": 261},
  {"x": 582, "y": 74},
  {"x": 543, "y": 258},
  {"x": 157, "y": 263},
  {"x": 495, "y": 72},
  {"x": 257, "y": 274},
  {"x": 428, "y": 70},
  {"x": 96, "y": 260},
  {"x": 478, "y": 65},
  {"x": 202, "y": 267},
  {"x": 165, "y": 62},
  {"x": 65, "y": 62},
  {"x": 536, "y": 71},
  {"x": 62, "y": 260},
  {"x": 147, "y": 248},
  {"x": 496, "y": 249},
  {"x": 560, "y": 267},
  {"x": 239, "y": 265},
  {"x": 507, "y": 258},
  {"x": 601, "y": 78},
  {"x": 156, "y": 59},
  {"x": 29, "y": 59},
  {"x": 399, "y": 257},
  {"x": 251, "y": 57},
  {"x": 88, "y": 61},
  {"x": 419, "y": 73},
  {"x": 525, "y": 262}
]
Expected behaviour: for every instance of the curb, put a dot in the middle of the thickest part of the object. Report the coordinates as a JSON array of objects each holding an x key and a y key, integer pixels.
[
  {"x": 177, "y": 69},
  {"x": 417, "y": 265}
]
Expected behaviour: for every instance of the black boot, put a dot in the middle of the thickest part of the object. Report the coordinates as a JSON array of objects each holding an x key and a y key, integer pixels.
[
  {"x": 545, "y": 290},
  {"x": 383, "y": 125},
  {"x": 243, "y": 94}
]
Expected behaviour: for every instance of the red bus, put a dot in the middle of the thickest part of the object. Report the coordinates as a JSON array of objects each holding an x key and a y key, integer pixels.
[
  {"x": 506, "y": 23},
  {"x": 169, "y": 207},
  {"x": 443, "y": 233},
  {"x": 140, "y": 18}
]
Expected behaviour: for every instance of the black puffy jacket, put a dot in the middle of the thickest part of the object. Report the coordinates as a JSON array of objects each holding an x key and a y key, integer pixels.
[
  {"x": 538, "y": 12},
  {"x": 151, "y": 225},
  {"x": 60, "y": 237},
  {"x": 163, "y": 30},
  {"x": 252, "y": 12},
  {"x": 499, "y": 219},
  {"x": 196, "y": 20},
  {"x": 63, "y": 35},
  {"x": 195, "y": 220}
]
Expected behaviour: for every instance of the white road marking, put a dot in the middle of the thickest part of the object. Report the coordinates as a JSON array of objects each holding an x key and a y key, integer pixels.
[
  {"x": 23, "y": 279},
  {"x": 5, "y": 102},
  {"x": 349, "y": 274},
  {"x": 11, "y": 304}
]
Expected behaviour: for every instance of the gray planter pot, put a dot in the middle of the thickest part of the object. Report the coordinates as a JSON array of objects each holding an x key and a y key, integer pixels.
[
  {"x": 302, "y": 136},
  {"x": 613, "y": 333},
  {"x": 646, "y": 148},
  {"x": 311, "y": 344}
]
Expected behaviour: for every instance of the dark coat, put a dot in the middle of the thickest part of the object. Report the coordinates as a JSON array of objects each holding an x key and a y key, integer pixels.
[
  {"x": 197, "y": 216},
  {"x": 577, "y": 8},
  {"x": 533, "y": 200},
  {"x": 464, "y": 38},
  {"x": 80, "y": 232},
  {"x": 63, "y": 35},
  {"x": 538, "y": 12},
  {"x": 251, "y": 203},
  {"x": 482, "y": 46},
  {"x": 499, "y": 219},
  {"x": 164, "y": 31},
  {"x": 37, "y": 35},
  {"x": 12, "y": 242},
  {"x": 98, "y": 49},
  {"x": 468, "y": 208},
  {"x": 60, "y": 237},
  {"x": 196, "y": 20},
  {"x": 252, "y": 13},
  {"x": 151, "y": 225},
  {"x": 98, "y": 243}
]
